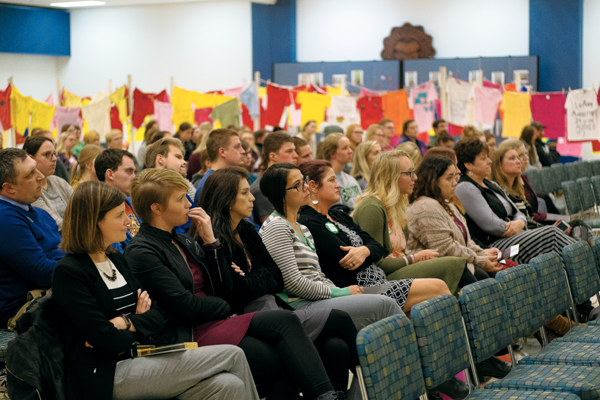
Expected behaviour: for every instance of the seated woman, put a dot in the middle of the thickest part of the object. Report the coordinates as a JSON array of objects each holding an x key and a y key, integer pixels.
[
  {"x": 67, "y": 140},
  {"x": 292, "y": 247},
  {"x": 364, "y": 155},
  {"x": 412, "y": 151},
  {"x": 257, "y": 279},
  {"x": 434, "y": 222},
  {"x": 450, "y": 154},
  {"x": 56, "y": 192},
  {"x": 103, "y": 312},
  {"x": 347, "y": 253},
  {"x": 354, "y": 133},
  {"x": 84, "y": 170},
  {"x": 337, "y": 150},
  {"x": 192, "y": 283},
  {"x": 492, "y": 218},
  {"x": 528, "y": 136},
  {"x": 380, "y": 213},
  {"x": 375, "y": 132},
  {"x": 410, "y": 131}
]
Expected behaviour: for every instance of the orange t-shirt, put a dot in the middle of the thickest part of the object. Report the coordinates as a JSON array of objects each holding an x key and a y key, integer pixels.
[{"x": 395, "y": 107}]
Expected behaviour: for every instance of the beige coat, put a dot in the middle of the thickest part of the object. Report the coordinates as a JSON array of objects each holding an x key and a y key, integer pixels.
[{"x": 431, "y": 227}]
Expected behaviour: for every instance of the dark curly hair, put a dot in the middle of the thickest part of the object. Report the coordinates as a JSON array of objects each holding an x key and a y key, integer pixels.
[
  {"x": 467, "y": 151},
  {"x": 430, "y": 170}
]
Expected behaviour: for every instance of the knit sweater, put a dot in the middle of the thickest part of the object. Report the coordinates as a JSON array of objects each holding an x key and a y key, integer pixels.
[
  {"x": 431, "y": 227},
  {"x": 55, "y": 199},
  {"x": 28, "y": 255},
  {"x": 298, "y": 261}
]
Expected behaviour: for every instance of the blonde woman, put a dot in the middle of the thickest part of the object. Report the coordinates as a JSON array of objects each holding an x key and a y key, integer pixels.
[
  {"x": 354, "y": 133},
  {"x": 375, "y": 132},
  {"x": 413, "y": 152},
  {"x": 470, "y": 132},
  {"x": 84, "y": 170},
  {"x": 365, "y": 154},
  {"x": 68, "y": 139},
  {"x": 380, "y": 212},
  {"x": 92, "y": 137},
  {"x": 337, "y": 150},
  {"x": 196, "y": 161}
]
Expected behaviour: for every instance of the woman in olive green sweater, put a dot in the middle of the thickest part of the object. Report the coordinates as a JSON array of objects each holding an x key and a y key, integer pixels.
[{"x": 380, "y": 212}]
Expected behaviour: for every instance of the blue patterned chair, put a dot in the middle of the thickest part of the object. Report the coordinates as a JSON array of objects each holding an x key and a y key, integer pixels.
[
  {"x": 572, "y": 197},
  {"x": 588, "y": 201},
  {"x": 585, "y": 169},
  {"x": 548, "y": 181},
  {"x": 389, "y": 359},
  {"x": 572, "y": 171},
  {"x": 5, "y": 337},
  {"x": 595, "y": 167},
  {"x": 596, "y": 187},
  {"x": 488, "y": 328},
  {"x": 553, "y": 284},
  {"x": 560, "y": 174},
  {"x": 535, "y": 179}
]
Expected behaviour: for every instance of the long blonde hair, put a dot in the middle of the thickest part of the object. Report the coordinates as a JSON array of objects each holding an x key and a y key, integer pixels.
[
  {"x": 87, "y": 154},
  {"x": 412, "y": 151},
  {"x": 516, "y": 190},
  {"x": 205, "y": 128},
  {"x": 383, "y": 184},
  {"x": 371, "y": 131},
  {"x": 61, "y": 149},
  {"x": 360, "y": 166}
]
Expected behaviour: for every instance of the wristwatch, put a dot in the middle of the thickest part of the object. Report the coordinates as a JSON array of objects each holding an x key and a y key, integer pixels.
[{"x": 127, "y": 321}]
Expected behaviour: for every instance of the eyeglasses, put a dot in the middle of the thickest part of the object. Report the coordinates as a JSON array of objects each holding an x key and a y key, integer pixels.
[
  {"x": 49, "y": 155},
  {"x": 301, "y": 185},
  {"x": 411, "y": 174}
]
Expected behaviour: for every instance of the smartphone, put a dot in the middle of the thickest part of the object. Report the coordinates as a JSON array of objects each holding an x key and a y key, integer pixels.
[{"x": 563, "y": 226}]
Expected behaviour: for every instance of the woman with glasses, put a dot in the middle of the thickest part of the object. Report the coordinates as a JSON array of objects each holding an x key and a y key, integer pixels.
[
  {"x": 493, "y": 219},
  {"x": 56, "y": 192},
  {"x": 380, "y": 212},
  {"x": 354, "y": 133},
  {"x": 346, "y": 253}
]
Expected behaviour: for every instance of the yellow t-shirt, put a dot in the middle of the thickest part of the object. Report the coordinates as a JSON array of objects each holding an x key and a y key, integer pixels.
[
  {"x": 120, "y": 101},
  {"x": 41, "y": 115},
  {"x": 20, "y": 108},
  {"x": 313, "y": 106},
  {"x": 517, "y": 113},
  {"x": 70, "y": 100}
]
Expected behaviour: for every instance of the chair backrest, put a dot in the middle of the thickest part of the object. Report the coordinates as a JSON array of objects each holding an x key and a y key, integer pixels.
[
  {"x": 572, "y": 171},
  {"x": 486, "y": 316},
  {"x": 585, "y": 169},
  {"x": 548, "y": 181},
  {"x": 595, "y": 167},
  {"x": 560, "y": 174},
  {"x": 586, "y": 193},
  {"x": 596, "y": 250},
  {"x": 552, "y": 283},
  {"x": 596, "y": 187},
  {"x": 523, "y": 299},
  {"x": 441, "y": 338},
  {"x": 534, "y": 178},
  {"x": 572, "y": 198},
  {"x": 389, "y": 359},
  {"x": 582, "y": 272}
]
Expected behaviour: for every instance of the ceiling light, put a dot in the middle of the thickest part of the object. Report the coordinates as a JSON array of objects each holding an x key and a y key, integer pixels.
[{"x": 70, "y": 4}]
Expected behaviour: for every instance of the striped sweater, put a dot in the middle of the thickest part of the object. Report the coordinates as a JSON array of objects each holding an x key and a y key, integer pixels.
[{"x": 298, "y": 261}]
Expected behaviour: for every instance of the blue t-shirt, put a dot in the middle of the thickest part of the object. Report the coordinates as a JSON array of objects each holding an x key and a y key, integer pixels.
[{"x": 201, "y": 185}]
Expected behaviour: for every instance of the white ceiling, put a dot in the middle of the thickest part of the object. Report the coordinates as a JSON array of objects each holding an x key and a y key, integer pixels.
[{"x": 118, "y": 3}]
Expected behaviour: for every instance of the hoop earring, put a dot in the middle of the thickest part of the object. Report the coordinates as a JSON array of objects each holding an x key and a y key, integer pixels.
[{"x": 315, "y": 202}]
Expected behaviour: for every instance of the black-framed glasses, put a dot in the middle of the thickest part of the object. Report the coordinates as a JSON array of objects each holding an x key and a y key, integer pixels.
[
  {"x": 411, "y": 174},
  {"x": 300, "y": 185}
]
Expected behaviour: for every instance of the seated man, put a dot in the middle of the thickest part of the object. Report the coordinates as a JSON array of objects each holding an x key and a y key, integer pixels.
[
  {"x": 29, "y": 237},
  {"x": 116, "y": 167}
]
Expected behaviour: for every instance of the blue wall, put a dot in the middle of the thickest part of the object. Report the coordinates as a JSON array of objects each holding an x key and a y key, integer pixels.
[
  {"x": 273, "y": 35},
  {"x": 556, "y": 36},
  {"x": 31, "y": 30}
]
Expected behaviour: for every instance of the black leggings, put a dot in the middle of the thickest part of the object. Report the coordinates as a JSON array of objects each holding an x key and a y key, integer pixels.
[
  {"x": 282, "y": 358},
  {"x": 336, "y": 345},
  {"x": 468, "y": 277}
]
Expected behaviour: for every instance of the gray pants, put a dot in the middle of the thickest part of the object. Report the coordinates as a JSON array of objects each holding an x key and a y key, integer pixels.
[
  {"x": 210, "y": 372},
  {"x": 364, "y": 309}
]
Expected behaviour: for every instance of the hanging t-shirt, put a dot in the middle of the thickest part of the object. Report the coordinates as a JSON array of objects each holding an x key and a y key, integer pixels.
[
  {"x": 50, "y": 100},
  {"x": 97, "y": 116},
  {"x": 278, "y": 98},
  {"x": 582, "y": 115},
  {"x": 115, "y": 122},
  {"x": 249, "y": 97},
  {"x": 203, "y": 115},
  {"x": 143, "y": 105},
  {"x": 20, "y": 109},
  {"x": 549, "y": 109},
  {"x": 246, "y": 117},
  {"x": 163, "y": 113},
  {"x": 422, "y": 101},
  {"x": 395, "y": 107},
  {"x": 489, "y": 84},
  {"x": 66, "y": 115},
  {"x": 228, "y": 113},
  {"x": 69, "y": 99},
  {"x": 119, "y": 98},
  {"x": 343, "y": 112},
  {"x": 486, "y": 104},
  {"x": 371, "y": 110},
  {"x": 313, "y": 106},
  {"x": 517, "y": 113},
  {"x": 41, "y": 115},
  {"x": 235, "y": 92},
  {"x": 5, "y": 108},
  {"x": 461, "y": 102}
]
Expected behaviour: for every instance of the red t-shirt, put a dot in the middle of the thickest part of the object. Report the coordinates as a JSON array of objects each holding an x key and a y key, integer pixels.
[
  {"x": 371, "y": 111},
  {"x": 277, "y": 99}
]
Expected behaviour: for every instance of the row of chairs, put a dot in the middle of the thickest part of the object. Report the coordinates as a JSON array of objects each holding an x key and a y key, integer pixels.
[
  {"x": 401, "y": 359},
  {"x": 549, "y": 179},
  {"x": 582, "y": 199}
]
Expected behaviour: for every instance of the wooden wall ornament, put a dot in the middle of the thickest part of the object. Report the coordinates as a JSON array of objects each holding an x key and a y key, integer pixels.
[{"x": 407, "y": 42}]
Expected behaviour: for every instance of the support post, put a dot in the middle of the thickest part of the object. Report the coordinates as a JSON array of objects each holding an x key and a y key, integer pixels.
[
  {"x": 257, "y": 86},
  {"x": 443, "y": 94}
]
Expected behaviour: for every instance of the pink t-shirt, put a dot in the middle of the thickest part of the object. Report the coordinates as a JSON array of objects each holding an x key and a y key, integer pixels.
[
  {"x": 422, "y": 101},
  {"x": 486, "y": 104},
  {"x": 549, "y": 109}
]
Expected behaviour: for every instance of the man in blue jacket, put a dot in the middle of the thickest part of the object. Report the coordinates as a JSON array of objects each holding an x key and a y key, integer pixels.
[{"x": 29, "y": 236}]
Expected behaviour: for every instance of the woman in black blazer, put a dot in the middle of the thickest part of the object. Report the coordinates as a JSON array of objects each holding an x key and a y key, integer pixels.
[{"x": 103, "y": 312}]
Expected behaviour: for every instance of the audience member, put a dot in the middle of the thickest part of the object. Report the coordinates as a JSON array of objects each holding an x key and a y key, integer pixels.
[
  {"x": 309, "y": 133},
  {"x": 185, "y": 135},
  {"x": 491, "y": 142},
  {"x": 104, "y": 312},
  {"x": 248, "y": 136},
  {"x": 151, "y": 129},
  {"x": 336, "y": 149},
  {"x": 29, "y": 237},
  {"x": 224, "y": 150},
  {"x": 92, "y": 137},
  {"x": 375, "y": 132},
  {"x": 67, "y": 140},
  {"x": 84, "y": 170},
  {"x": 492, "y": 218},
  {"x": 365, "y": 154},
  {"x": 445, "y": 140},
  {"x": 228, "y": 201},
  {"x": 438, "y": 126},
  {"x": 354, "y": 133},
  {"x": 259, "y": 139},
  {"x": 547, "y": 154},
  {"x": 56, "y": 192},
  {"x": 389, "y": 130},
  {"x": 451, "y": 155},
  {"x": 303, "y": 150},
  {"x": 412, "y": 151},
  {"x": 528, "y": 138},
  {"x": 410, "y": 131},
  {"x": 278, "y": 148},
  {"x": 116, "y": 168},
  {"x": 196, "y": 160},
  {"x": 193, "y": 285},
  {"x": 114, "y": 139}
]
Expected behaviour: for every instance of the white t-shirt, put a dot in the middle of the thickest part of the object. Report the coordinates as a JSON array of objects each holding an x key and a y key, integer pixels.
[
  {"x": 461, "y": 102},
  {"x": 582, "y": 115}
]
